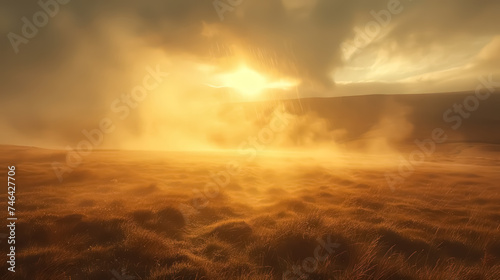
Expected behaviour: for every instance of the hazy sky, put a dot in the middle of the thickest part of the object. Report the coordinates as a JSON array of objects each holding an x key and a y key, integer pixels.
[{"x": 65, "y": 75}]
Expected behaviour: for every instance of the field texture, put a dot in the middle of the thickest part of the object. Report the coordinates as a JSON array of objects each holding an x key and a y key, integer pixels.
[{"x": 144, "y": 215}]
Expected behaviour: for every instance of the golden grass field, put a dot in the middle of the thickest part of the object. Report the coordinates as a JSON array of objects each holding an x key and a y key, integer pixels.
[{"x": 137, "y": 215}]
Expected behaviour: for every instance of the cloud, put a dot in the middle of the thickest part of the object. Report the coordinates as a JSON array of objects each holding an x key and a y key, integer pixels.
[{"x": 65, "y": 78}]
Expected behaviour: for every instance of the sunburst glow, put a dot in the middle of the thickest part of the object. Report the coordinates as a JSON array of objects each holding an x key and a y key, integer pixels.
[{"x": 249, "y": 82}]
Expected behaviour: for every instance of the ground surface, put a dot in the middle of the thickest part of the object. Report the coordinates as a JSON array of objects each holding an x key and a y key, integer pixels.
[{"x": 144, "y": 215}]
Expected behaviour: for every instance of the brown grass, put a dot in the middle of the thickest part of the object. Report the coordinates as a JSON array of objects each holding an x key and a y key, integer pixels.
[{"x": 123, "y": 211}]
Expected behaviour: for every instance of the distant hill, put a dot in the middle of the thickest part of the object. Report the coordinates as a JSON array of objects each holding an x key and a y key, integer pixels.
[{"x": 402, "y": 118}]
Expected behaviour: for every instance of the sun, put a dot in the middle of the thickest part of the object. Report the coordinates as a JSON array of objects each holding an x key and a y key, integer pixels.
[
  {"x": 246, "y": 81},
  {"x": 249, "y": 82}
]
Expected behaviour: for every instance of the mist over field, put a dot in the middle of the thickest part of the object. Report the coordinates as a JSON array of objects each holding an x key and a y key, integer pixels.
[{"x": 299, "y": 197}]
